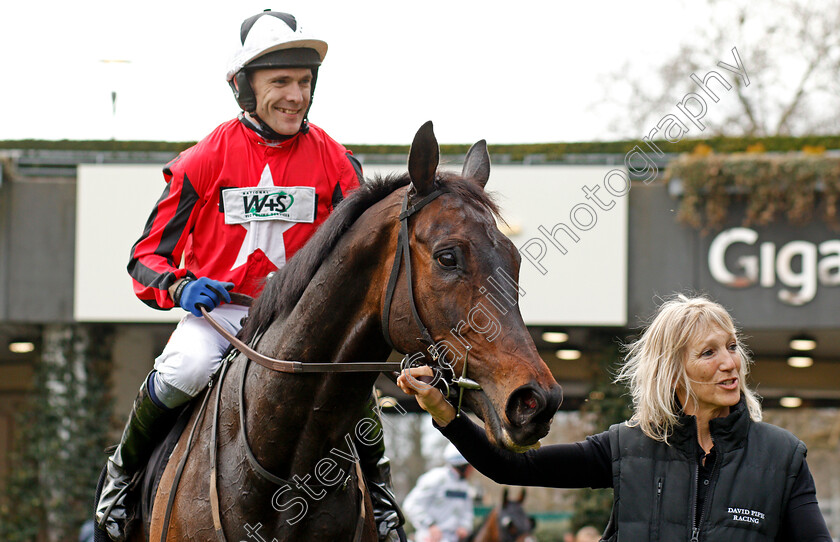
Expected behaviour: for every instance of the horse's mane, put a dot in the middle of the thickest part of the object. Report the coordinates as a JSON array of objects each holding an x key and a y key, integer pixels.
[{"x": 284, "y": 288}]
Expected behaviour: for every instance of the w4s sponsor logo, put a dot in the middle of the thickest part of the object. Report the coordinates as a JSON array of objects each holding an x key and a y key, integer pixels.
[{"x": 278, "y": 202}]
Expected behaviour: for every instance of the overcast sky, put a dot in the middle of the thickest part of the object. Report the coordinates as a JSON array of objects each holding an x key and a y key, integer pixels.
[{"x": 509, "y": 72}]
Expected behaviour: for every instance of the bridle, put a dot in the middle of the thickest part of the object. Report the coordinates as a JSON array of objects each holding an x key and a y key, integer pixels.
[{"x": 401, "y": 255}]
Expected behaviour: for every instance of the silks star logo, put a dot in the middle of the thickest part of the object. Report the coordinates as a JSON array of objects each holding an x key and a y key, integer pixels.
[{"x": 265, "y": 235}]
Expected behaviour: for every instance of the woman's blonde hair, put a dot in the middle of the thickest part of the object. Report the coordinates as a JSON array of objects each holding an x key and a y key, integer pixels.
[{"x": 654, "y": 364}]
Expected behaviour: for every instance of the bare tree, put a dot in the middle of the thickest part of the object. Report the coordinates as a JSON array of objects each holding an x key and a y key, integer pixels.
[{"x": 790, "y": 50}]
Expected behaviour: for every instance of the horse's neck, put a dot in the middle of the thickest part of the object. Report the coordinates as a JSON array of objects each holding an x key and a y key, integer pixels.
[
  {"x": 333, "y": 321},
  {"x": 302, "y": 417}
]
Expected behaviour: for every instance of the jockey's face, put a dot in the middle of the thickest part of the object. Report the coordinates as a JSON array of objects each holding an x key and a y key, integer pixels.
[{"x": 283, "y": 96}]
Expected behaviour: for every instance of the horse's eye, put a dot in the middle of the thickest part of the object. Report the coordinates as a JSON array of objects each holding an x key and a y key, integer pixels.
[{"x": 447, "y": 260}]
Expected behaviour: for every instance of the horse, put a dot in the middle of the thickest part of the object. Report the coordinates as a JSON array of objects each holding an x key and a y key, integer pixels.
[
  {"x": 506, "y": 523},
  {"x": 275, "y": 457}
]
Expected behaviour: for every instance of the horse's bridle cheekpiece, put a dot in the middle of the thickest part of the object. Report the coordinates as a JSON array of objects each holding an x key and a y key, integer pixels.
[{"x": 404, "y": 251}]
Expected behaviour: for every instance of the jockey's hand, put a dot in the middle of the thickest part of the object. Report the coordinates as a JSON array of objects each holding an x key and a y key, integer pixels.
[
  {"x": 204, "y": 292},
  {"x": 428, "y": 397}
]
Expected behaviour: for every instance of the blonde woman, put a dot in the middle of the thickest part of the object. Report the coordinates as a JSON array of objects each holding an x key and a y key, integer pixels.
[{"x": 694, "y": 462}]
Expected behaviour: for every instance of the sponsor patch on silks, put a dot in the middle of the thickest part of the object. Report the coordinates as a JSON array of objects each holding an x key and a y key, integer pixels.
[{"x": 289, "y": 203}]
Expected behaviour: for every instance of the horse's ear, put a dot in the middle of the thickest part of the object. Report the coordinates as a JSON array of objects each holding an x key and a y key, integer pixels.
[
  {"x": 522, "y": 495},
  {"x": 477, "y": 163},
  {"x": 504, "y": 498},
  {"x": 423, "y": 160}
]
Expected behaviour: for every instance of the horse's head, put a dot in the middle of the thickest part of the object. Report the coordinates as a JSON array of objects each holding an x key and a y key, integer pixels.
[
  {"x": 464, "y": 275},
  {"x": 515, "y": 525}
]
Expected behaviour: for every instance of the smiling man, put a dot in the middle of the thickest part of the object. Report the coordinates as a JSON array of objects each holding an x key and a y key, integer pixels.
[
  {"x": 235, "y": 207},
  {"x": 282, "y": 96}
]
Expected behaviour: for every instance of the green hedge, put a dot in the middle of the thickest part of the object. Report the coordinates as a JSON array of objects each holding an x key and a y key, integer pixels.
[
  {"x": 799, "y": 187},
  {"x": 552, "y": 151}
]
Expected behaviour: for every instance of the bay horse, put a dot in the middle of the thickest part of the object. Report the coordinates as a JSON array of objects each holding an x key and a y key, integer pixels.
[
  {"x": 274, "y": 459},
  {"x": 506, "y": 523}
]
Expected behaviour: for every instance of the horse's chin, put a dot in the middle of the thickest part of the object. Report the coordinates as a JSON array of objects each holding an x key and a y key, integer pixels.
[
  {"x": 496, "y": 432},
  {"x": 518, "y": 448}
]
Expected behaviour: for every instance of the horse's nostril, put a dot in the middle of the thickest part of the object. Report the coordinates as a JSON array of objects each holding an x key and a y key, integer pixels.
[{"x": 523, "y": 404}]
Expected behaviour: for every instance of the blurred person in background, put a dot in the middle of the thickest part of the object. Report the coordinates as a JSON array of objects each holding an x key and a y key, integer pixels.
[
  {"x": 441, "y": 504},
  {"x": 587, "y": 534}
]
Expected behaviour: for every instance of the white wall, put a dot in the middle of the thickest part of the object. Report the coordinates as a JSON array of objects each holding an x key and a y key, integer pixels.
[
  {"x": 113, "y": 203},
  {"x": 586, "y": 286}
]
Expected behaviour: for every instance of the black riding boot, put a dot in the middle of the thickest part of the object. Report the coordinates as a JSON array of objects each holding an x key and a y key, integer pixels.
[
  {"x": 377, "y": 471},
  {"x": 146, "y": 423}
]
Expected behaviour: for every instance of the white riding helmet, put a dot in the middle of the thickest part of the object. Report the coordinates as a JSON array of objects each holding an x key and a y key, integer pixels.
[
  {"x": 272, "y": 39},
  {"x": 452, "y": 456}
]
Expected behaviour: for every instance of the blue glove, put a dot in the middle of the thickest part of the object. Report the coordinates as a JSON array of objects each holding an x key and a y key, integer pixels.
[{"x": 205, "y": 293}]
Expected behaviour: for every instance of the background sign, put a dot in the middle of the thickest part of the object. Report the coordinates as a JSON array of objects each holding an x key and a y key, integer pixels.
[{"x": 570, "y": 228}]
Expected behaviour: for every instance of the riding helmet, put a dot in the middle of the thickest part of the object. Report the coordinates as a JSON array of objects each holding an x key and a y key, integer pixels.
[
  {"x": 272, "y": 39},
  {"x": 452, "y": 456}
]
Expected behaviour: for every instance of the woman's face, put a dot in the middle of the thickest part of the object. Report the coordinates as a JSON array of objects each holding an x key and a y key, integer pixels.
[{"x": 713, "y": 366}]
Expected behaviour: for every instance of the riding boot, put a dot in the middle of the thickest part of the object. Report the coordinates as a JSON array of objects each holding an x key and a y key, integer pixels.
[
  {"x": 377, "y": 472},
  {"x": 146, "y": 423}
]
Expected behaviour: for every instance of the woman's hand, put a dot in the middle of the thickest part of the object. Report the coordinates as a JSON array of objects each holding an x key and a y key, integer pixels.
[{"x": 428, "y": 397}]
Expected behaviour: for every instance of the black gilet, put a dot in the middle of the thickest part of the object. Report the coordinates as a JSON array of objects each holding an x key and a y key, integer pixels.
[{"x": 655, "y": 483}]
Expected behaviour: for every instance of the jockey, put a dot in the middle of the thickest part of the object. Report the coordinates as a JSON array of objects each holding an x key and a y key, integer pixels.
[
  {"x": 235, "y": 207},
  {"x": 441, "y": 504}
]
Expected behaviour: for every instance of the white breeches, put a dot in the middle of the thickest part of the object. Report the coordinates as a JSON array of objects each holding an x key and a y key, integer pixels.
[{"x": 193, "y": 354}]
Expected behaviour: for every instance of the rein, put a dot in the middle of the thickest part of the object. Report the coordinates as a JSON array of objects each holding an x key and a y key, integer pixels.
[
  {"x": 284, "y": 366},
  {"x": 402, "y": 254}
]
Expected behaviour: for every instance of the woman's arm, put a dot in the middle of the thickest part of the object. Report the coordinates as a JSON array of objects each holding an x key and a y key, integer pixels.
[
  {"x": 581, "y": 464},
  {"x": 803, "y": 521}
]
